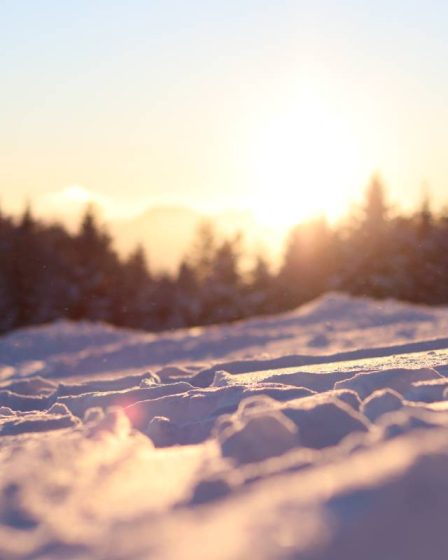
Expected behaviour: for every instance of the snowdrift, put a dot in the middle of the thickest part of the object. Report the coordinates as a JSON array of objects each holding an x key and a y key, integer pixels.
[{"x": 317, "y": 434}]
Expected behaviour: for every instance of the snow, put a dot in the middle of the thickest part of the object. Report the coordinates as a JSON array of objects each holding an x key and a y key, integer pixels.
[
  {"x": 399, "y": 379},
  {"x": 380, "y": 402},
  {"x": 319, "y": 434}
]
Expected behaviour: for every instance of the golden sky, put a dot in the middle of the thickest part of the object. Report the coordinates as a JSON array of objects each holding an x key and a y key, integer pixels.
[{"x": 284, "y": 108}]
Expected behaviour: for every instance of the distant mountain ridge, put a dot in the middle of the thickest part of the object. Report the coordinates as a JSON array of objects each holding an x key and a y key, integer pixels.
[{"x": 167, "y": 232}]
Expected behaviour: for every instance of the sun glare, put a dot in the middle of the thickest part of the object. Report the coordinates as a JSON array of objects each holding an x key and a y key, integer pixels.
[
  {"x": 77, "y": 193},
  {"x": 73, "y": 199},
  {"x": 304, "y": 163}
]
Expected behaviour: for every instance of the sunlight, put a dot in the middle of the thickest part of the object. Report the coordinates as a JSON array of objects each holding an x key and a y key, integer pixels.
[
  {"x": 305, "y": 162},
  {"x": 78, "y": 194},
  {"x": 71, "y": 201},
  {"x": 68, "y": 202}
]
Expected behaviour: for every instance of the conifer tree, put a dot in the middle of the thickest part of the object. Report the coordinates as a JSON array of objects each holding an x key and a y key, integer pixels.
[
  {"x": 307, "y": 264},
  {"x": 95, "y": 271},
  {"x": 8, "y": 310},
  {"x": 188, "y": 294},
  {"x": 261, "y": 294},
  {"x": 27, "y": 268},
  {"x": 134, "y": 306},
  {"x": 222, "y": 289}
]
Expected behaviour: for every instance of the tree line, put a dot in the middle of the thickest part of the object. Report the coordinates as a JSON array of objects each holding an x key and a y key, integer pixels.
[{"x": 48, "y": 273}]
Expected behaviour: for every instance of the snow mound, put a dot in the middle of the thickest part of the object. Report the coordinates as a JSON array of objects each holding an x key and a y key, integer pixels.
[
  {"x": 257, "y": 431},
  {"x": 325, "y": 420},
  {"x": 397, "y": 379},
  {"x": 380, "y": 402},
  {"x": 338, "y": 307},
  {"x": 318, "y": 434},
  {"x": 427, "y": 391}
]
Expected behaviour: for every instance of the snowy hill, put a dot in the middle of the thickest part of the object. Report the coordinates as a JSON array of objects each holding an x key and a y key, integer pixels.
[{"x": 317, "y": 434}]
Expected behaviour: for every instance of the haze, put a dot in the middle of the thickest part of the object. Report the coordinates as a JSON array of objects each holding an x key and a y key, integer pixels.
[{"x": 282, "y": 109}]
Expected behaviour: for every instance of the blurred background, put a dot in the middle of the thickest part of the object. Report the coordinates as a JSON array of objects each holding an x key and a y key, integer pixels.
[{"x": 170, "y": 164}]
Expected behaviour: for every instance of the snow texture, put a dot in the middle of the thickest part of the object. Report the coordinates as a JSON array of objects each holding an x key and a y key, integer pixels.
[{"x": 319, "y": 434}]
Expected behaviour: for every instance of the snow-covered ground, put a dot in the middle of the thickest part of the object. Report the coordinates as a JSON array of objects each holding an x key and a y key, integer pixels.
[{"x": 317, "y": 434}]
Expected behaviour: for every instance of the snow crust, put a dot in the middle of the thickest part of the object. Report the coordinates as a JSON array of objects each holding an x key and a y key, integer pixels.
[{"x": 320, "y": 434}]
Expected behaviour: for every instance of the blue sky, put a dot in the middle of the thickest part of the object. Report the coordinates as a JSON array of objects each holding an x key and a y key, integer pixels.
[{"x": 147, "y": 102}]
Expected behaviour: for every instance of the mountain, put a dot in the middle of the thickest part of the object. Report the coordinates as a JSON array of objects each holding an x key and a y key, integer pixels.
[{"x": 167, "y": 233}]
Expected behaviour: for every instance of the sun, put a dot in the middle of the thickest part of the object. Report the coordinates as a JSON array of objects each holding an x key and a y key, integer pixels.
[
  {"x": 77, "y": 194},
  {"x": 304, "y": 163}
]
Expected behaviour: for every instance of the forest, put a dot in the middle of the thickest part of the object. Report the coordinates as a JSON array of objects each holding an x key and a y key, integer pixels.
[{"x": 48, "y": 273}]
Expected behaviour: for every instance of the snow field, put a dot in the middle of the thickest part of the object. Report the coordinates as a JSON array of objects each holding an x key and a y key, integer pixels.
[{"x": 229, "y": 442}]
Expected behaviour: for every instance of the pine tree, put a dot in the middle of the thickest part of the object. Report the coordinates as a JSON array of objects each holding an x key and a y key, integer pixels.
[
  {"x": 261, "y": 296},
  {"x": 27, "y": 267},
  {"x": 56, "y": 287},
  {"x": 188, "y": 295},
  {"x": 134, "y": 304},
  {"x": 166, "y": 315},
  {"x": 369, "y": 249},
  {"x": 96, "y": 271},
  {"x": 375, "y": 210},
  {"x": 203, "y": 250},
  {"x": 8, "y": 311},
  {"x": 222, "y": 293},
  {"x": 308, "y": 263}
]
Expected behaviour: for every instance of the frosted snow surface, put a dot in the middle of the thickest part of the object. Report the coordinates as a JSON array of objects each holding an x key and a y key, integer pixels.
[{"x": 320, "y": 434}]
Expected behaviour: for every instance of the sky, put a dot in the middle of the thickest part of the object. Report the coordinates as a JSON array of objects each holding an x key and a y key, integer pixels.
[{"x": 284, "y": 108}]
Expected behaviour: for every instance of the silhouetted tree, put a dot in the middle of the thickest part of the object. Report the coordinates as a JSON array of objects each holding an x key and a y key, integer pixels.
[
  {"x": 307, "y": 264},
  {"x": 368, "y": 249},
  {"x": 8, "y": 302},
  {"x": 27, "y": 269},
  {"x": 222, "y": 288},
  {"x": 188, "y": 294},
  {"x": 134, "y": 305},
  {"x": 261, "y": 292},
  {"x": 46, "y": 273},
  {"x": 166, "y": 315},
  {"x": 95, "y": 271},
  {"x": 375, "y": 209},
  {"x": 203, "y": 250}
]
